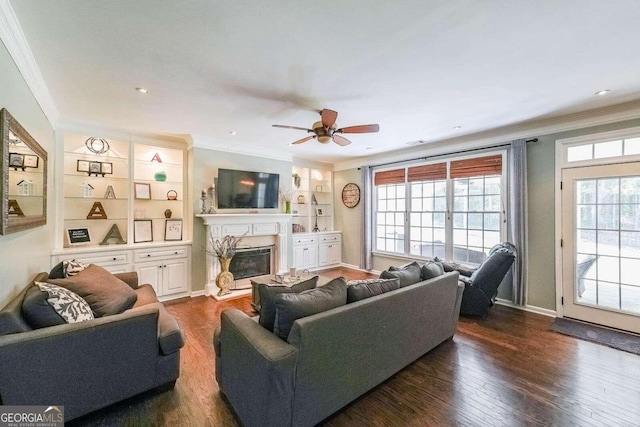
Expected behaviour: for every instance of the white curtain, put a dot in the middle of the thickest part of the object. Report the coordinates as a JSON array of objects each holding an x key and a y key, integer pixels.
[
  {"x": 365, "y": 231},
  {"x": 517, "y": 163}
]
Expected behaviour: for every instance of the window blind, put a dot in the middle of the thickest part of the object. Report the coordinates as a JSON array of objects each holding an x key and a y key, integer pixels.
[
  {"x": 395, "y": 176},
  {"x": 490, "y": 165},
  {"x": 427, "y": 172}
]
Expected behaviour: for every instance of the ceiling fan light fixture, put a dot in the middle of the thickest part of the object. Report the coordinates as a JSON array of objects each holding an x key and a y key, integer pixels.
[{"x": 324, "y": 139}]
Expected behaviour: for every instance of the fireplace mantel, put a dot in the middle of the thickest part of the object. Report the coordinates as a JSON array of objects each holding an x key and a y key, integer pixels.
[{"x": 246, "y": 225}]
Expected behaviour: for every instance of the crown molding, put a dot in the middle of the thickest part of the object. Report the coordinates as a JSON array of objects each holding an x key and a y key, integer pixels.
[
  {"x": 209, "y": 143},
  {"x": 14, "y": 40},
  {"x": 75, "y": 126},
  {"x": 526, "y": 129}
]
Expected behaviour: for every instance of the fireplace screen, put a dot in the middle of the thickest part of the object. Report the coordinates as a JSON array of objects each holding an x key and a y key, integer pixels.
[{"x": 251, "y": 263}]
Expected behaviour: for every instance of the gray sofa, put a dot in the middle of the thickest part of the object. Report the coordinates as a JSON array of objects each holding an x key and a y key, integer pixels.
[
  {"x": 89, "y": 365},
  {"x": 332, "y": 357}
]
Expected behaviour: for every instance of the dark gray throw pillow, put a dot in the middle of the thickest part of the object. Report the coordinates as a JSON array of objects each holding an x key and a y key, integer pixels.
[
  {"x": 37, "y": 311},
  {"x": 447, "y": 265},
  {"x": 362, "y": 289},
  {"x": 57, "y": 272},
  {"x": 291, "y": 307},
  {"x": 431, "y": 269},
  {"x": 268, "y": 294},
  {"x": 105, "y": 293},
  {"x": 408, "y": 274}
]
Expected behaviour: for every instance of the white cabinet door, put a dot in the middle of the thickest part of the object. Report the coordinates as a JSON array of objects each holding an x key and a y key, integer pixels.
[
  {"x": 310, "y": 257},
  {"x": 329, "y": 254},
  {"x": 174, "y": 277},
  {"x": 298, "y": 257},
  {"x": 150, "y": 273}
]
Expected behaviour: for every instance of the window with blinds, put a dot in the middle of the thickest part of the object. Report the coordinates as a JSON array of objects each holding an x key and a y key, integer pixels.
[{"x": 451, "y": 209}]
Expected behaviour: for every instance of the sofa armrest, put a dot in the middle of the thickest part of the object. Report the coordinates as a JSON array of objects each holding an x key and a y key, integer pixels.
[
  {"x": 252, "y": 358},
  {"x": 81, "y": 365},
  {"x": 130, "y": 278}
]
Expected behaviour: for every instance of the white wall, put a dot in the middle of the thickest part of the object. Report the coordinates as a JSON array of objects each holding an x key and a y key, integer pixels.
[{"x": 26, "y": 253}]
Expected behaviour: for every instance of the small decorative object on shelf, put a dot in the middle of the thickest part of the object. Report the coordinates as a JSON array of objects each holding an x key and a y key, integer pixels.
[
  {"x": 113, "y": 233},
  {"x": 31, "y": 161},
  {"x": 110, "y": 194},
  {"x": 168, "y": 213},
  {"x": 297, "y": 180},
  {"x": 319, "y": 188},
  {"x": 224, "y": 249},
  {"x": 142, "y": 231},
  {"x": 156, "y": 158},
  {"x": 16, "y": 161},
  {"x": 315, "y": 226},
  {"x": 172, "y": 195},
  {"x": 14, "y": 208},
  {"x": 314, "y": 201},
  {"x": 85, "y": 190},
  {"x": 319, "y": 212},
  {"x": 142, "y": 190},
  {"x": 211, "y": 199},
  {"x": 78, "y": 236},
  {"x": 97, "y": 211},
  {"x": 26, "y": 187},
  {"x": 160, "y": 176},
  {"x": 301, "y": 199},
  {"x": 286, "y": 196},
  {"x": 95, "y": 168},
  {"x": 173, "y": 229},
  {"x": 97, "y": 145}
]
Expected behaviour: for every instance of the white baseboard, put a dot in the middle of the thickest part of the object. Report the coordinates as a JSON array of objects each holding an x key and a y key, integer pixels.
[
  {"x": 529, "y": 308},
  {"x": 197, "y": 293}
]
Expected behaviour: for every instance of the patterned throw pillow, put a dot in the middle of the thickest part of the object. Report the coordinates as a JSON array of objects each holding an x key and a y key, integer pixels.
[
  {"x": 67, "y": 304},
  {"x": 73, "y": 267}
]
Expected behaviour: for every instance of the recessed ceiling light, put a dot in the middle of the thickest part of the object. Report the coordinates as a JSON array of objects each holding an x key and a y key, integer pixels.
[
  {"x": 457, "y": 127},
  {"x": 369, "y": 148},
  {"x": 233, "y": 132},
  {"x": 602, "y": 92},
  {"x": 142, "y": 90}
]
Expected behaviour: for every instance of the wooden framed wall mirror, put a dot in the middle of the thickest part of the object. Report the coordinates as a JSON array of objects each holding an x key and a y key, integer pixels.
[{"x": 23, "y": 169}]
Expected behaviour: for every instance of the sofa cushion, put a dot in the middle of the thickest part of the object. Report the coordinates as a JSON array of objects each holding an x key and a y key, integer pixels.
[
  {"x": 170, "y": 337},
  {"x": 145, "y": 295},
  {"x": 448, "y": 266},
  {"x": 293, "y": 306},
  {"x": 361, "y": 289},
  {"x": 37, "y": 311},
  {"x": 69, "y": 305},
  {"x": 105, "y": 293},
  {"x": 57, "y": 272},
  {"x": 408, "y": 274},
  {"x": 268, "y": 294},
  {"x": 431, "y": 269}
]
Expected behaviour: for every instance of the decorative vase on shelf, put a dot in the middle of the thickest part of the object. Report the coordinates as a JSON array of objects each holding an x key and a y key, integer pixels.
[
  {"x": 160, "y": 176},
  {"x": 168, "y": 213},
  {"x": 224, "y": 278},
  {"x": 287, "y": 207}
]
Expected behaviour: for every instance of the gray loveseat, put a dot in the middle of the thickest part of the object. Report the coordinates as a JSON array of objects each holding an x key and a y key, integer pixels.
[
  {"x": 332, "y": 357},
  {"x": 89, "y": 365}
]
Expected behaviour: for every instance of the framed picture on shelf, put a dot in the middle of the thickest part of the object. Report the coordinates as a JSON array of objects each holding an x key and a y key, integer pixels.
[
  {"x": 106, "y": 168},
  {"x": 95, "y": 167},
  {"x": 319, "y": 212},
  {"x": 83, "y": 166},
  {"x": 16, "y": 160},
  {"x": 31, "y": 161},
  {"x": 173, "y": 229},
  {"x": 142, "y": 190},
  {"x": 78, "y": 236},
  {"x": 142, "y": 230}
]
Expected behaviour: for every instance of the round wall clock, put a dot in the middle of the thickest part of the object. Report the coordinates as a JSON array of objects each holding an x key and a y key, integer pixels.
[{"x": 351, "y": 195}]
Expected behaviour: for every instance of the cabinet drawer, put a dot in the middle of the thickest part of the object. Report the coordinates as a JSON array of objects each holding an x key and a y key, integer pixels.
[
  {"x": 142, "y": 255},
  {"x": 328, "y": 238},
  {"x": 101, "y": 259},
  {"x": 305, "y": 240}
]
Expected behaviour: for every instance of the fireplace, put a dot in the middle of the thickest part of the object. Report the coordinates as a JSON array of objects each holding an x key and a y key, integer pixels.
[{"x": 252, "y": 262}]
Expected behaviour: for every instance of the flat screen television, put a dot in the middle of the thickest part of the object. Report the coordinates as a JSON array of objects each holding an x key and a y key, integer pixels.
[{"x": 238, "y": 189}]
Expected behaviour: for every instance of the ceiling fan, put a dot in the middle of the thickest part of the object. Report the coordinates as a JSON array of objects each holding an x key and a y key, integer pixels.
[{"x": 326, "y": 130}]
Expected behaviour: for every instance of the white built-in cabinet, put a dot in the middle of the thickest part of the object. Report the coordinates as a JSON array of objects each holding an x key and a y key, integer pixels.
[
  {"x": 139, "y": 185},
  {"x": 317, "y": 250}
]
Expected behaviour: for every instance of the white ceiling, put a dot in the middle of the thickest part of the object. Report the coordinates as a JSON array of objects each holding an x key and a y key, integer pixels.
[{"x": 416, "y": 67}]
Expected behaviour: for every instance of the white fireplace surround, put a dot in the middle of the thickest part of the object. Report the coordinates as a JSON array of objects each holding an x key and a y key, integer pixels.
[{"x": 248, "y": 226}]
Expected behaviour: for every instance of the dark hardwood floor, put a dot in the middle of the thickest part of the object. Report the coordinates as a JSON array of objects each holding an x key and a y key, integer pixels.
[{"x": 507, "y": 370}]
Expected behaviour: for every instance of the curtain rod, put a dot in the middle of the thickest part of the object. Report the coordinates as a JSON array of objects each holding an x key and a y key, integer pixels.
[{"x": 470, "y": 150}]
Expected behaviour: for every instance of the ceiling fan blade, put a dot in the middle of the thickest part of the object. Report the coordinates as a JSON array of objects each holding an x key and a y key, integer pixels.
[
  {"x": 328, "y": 118},
  {"x": 292, "y": 127},
  {"x": 300, "y": 141},
  {"x": 341, "y": 140},
  {"x": 359, "y": 129}
]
